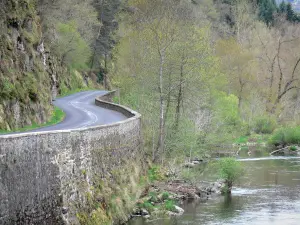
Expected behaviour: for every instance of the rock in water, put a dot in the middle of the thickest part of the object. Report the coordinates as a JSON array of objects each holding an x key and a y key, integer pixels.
[
  {"x": 144, "y": 212},
  {"x": 179, "y": 210}
]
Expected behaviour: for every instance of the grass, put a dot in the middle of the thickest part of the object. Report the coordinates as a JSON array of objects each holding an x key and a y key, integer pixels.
[
  {"x": 57, "y": 116},
  {"x": 257, "y": 138},
  {"x": 116, "y": 100},
  {"x": 241, "y": 140}
]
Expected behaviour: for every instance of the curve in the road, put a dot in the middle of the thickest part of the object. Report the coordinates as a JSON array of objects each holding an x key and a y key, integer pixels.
[{"x": 81, "y": 112}]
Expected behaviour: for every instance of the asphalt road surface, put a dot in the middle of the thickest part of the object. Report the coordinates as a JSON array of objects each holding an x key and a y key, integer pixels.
[{"x": 82, "y": 112}]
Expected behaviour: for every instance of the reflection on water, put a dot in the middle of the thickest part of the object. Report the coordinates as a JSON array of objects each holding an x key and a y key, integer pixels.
[{"x": 269, "y": 193}]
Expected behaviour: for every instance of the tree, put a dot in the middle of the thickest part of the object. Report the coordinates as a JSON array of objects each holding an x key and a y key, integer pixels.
[
  {"x": 171, "y": 67},
  {"x": 65, "y": 24},
  {"x": 280, "y": 61},
  {"x": 290, "y": 14},
  {"x": 70, "y": 46},
  {"x": 267, "y": 9},
  {"x": 105, "y": 40},
  {"x": 230, "y": 170},
  {"x": 282, "y": 7},
  {"x": 238, "y": 64}
]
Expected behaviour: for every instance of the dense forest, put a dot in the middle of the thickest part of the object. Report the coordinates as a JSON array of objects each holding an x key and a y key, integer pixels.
[
  {"x": 201, "y": 72},
  {"x": 206, "y": 72}
]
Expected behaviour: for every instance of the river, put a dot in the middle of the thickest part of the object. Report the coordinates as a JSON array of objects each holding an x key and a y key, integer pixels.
[{"x": 268, "y": 193}]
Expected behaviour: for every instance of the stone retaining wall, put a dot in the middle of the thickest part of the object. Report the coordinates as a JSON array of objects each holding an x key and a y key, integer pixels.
[{"x": 44, "y": 175}]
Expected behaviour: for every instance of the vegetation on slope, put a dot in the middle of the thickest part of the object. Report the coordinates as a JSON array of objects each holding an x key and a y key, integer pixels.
[
  {"x": 204, "y": 73},
  {"x": 57, "y": 116},
  {"x": 201, "y": 72}
]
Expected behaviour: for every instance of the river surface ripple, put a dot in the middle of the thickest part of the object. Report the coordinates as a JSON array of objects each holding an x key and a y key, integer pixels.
[{"x": 269, "y": 193}]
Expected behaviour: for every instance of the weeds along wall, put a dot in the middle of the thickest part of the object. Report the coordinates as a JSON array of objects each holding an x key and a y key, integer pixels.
[{"x": 44, "y": 176}]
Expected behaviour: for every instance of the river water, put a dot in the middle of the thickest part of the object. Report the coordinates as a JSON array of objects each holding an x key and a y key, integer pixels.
[{"x": 268, "y": 193}]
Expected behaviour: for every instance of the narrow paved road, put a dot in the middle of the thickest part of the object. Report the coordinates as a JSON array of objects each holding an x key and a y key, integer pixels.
[{"x": 82, "y": 112}]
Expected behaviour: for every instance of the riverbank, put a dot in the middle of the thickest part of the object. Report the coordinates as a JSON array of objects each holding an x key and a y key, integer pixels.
[
  {"x": 266, "y": 194},
  {"x": 165, "y": 196}
]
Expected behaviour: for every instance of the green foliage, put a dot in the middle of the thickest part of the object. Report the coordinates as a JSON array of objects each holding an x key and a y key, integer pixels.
[
  {"x": 154, "y": 174},
  {"x": 230, "y": 170},
  {"x": 291, "y": 15},
  {"x": 180, "y": 141},
  {"x": 170, "y": 205},
  {"x": 242, "y": 140},
  {"x": 267, "y": 8},
  {"x": 165, "y": 195},
  {"x": 153, "y": 197},
  {"x": 71, "y": 47},
  {"x": 7, "y": 88},
  {"x": 57, "y": 116},
  {"x": 227, "y": 110},
  {"x": 282, "y": 7},
  {"x": 97, "y": 217},
  {"x": 116, "y": 100},
  {"x": 226, "y": 123},
  {"x": 108, "y": 9},
  {"x": 286, "y": 136},
  {"x": 265, "y": 125},
  {"x": 147, "y": 205},
  {"x": 293, "y": 148}
]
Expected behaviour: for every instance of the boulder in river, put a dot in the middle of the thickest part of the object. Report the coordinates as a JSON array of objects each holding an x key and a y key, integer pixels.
[
  {"x": 178, "y": 211},
  {"x": 216, "y": 187}
]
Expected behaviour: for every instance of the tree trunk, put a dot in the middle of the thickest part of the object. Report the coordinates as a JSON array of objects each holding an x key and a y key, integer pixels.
[
  {"x": 240, "y": 97},
  {"x": 160, "y": 145},
  {"x": 105, "y": 72},
  {"x": 179, "y": 98},
  {"x": 168, "y": 98}
]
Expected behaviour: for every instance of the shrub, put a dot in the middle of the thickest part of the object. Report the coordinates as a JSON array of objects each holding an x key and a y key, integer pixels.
[
  {"x": 286, "y": 136},
  {"x": 241, "y": 140},
  {"x": 170, "y": 205},
  {"x": 264, "y": 125},
  {"x": 230, "y": 170},
  {"x": 153, "y": 197},
  {"x": 154, "y": 174},
  {"x": 165, "y": 195},
  {"x": 293, "y": 148},
  {"x": 146, "y": 205}
]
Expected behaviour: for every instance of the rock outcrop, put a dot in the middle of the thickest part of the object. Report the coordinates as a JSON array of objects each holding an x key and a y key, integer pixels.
[{"x": 30, "y": 75}]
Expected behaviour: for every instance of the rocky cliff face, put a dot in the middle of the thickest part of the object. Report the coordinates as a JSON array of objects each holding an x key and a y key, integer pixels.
[{"x": 29, "y": 75}]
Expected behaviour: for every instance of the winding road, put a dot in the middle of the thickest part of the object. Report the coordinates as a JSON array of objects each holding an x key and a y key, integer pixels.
[{"x": 82, "y": 112}]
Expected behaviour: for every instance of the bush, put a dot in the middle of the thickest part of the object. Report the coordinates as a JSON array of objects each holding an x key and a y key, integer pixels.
[
  {"x": 170, "y": 205},
  {"x": 154, "y": 174},
  {"x": 230, "y": 170},
  {"x": 146, "y": 205},
  {"x": 265, "y": 125},
  {"x": 286, "y": 136},
  {"x": 165, "y": 195}
]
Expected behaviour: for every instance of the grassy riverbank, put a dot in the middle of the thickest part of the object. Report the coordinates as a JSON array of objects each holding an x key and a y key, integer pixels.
[
  {"x": 280, "y": 136},
  {"x": 253, "y": 138}
]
